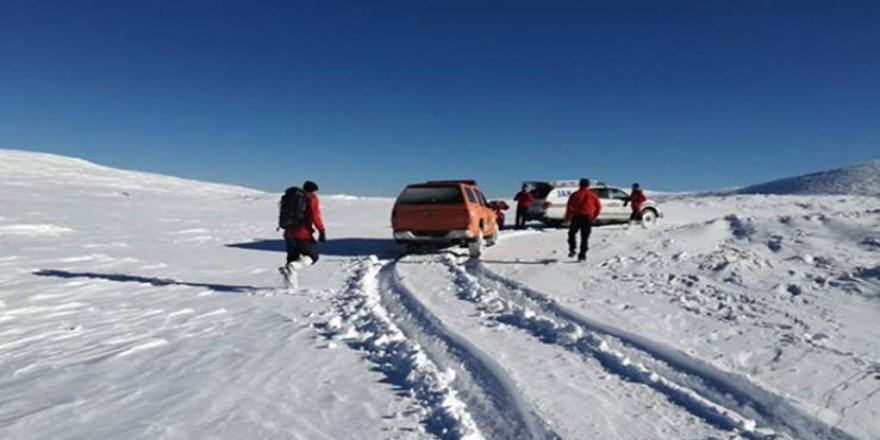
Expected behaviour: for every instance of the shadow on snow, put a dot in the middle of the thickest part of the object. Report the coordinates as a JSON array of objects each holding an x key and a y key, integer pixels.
[
  {"x": 145, "y": 280},
  {"x": 543, "y": 261},
  {"x": 340, "y": 247}
]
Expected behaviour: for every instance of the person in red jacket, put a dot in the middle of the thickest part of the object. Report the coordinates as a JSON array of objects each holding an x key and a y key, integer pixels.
[
  {"x": 583, "y": 208},
  {"x": 637, "y": 199},
  {"x": 523, "y": 199},
  {"x": 300, "y": 241},
  {"x": 499, "y": 206}
]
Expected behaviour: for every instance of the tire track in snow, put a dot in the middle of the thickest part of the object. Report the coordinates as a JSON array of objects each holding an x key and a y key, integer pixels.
[
  {"x": 724, "y": 399},
  {"x": 572, "y": 337},
  {"x": 499, "y": 409},
  {"x": 363, "y": 322}
]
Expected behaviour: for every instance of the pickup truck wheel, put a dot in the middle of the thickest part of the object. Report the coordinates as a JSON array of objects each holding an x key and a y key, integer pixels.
[
  {"x": 475, "y": 248},
  {"x": 404, "y": 249},
  {"x": 493, "y": 239}
]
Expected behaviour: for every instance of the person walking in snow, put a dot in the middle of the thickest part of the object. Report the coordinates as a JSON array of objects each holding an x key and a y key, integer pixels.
[
  {"x": 299, "y": 239},
  {"x": 523, "y": 199},
  {"x": 636, "y": 199},
  {"x": 582, "y": 209}
]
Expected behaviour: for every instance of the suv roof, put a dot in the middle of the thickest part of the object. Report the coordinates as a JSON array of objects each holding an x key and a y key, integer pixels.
[
  {"x": 567, "y": 182},
  {"x": 576, "y": 182}
]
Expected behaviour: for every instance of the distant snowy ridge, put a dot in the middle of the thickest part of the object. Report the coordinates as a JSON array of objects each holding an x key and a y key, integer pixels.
[
  {"x": 351, "y": 198},
  {"x": 27, "y": 169},
  {"x": 23, "y": 169},
  {"x": 861, "y": 179}
]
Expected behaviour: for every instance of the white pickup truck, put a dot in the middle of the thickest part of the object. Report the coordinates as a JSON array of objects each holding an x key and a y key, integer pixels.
[{"x": 551, "y": 199}]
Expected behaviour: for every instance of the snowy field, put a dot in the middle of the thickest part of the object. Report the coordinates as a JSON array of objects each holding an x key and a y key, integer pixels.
[{"x": 142, "y": 306}]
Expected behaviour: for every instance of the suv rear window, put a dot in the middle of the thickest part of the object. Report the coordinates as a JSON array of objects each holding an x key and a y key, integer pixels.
[
  {"x": 430, "y": 195},
  {"x": 539, "y": 189}
]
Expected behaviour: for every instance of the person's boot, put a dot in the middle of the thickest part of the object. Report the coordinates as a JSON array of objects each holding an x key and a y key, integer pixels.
[
  {"x": 571, "y": 253},
  {"x": 582, "y": 257},
  {"x": 303, "y": 261},
  {"x": 296, "y": 265}
]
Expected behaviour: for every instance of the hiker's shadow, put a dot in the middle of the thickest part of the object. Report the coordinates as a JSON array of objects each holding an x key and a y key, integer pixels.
[
  {"x": 158, "y": 282},
  {"x": 340, "y": 247}
]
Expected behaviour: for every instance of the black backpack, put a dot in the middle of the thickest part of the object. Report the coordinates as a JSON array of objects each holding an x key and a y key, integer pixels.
[{"x": 292, "y": 212}]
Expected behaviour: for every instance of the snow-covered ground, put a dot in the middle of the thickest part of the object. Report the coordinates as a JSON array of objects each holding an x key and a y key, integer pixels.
[{"x": 141, "y": 306}]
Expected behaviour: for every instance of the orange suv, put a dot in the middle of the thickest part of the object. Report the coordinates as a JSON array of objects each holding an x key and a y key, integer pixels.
[{"x": 444, "y": 212}]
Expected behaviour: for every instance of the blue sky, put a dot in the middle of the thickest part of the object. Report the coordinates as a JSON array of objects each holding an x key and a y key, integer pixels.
[{"x": 364, "y": 97}]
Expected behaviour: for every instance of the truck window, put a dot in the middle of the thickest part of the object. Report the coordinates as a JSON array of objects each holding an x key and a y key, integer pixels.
[
  {"x": 470, "y": 195},
  {"x": 482, "y": 198},
  {"x": 430, "y": 195}
]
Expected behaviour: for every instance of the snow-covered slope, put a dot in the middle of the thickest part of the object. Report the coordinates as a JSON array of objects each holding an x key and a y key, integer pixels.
[
  {"x": 35, "y": 173},
  {"x": 154, "y": 310},
  {"x": 126, "y": 311},
  {"x": 859, "y": 180}
]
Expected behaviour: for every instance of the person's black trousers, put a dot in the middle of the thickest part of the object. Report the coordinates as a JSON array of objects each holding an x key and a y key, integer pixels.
[
  {"x": 298, "y": 248},
  {"x": 521, "y": 217},
  {"x": 584, "y": 225}
]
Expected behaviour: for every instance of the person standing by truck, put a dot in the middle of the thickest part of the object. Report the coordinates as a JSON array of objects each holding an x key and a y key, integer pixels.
[
  {"x": 636, "y": 199},
  {"x": 499, "y": 206},
  {"x": 523, "y": 199},
  {"x": 582, "y": 209}
]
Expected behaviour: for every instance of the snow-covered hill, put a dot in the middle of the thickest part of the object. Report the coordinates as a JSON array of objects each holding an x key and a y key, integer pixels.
[
  {"x": 36, "y": 173},
  {"x": 145, "y": 306},
  {"x": 859, "y": 180}
]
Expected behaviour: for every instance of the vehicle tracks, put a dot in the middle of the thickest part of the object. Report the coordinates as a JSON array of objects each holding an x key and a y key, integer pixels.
[
  {"x": 463, "y": 392},
  {"x": 726, "y": 400}
]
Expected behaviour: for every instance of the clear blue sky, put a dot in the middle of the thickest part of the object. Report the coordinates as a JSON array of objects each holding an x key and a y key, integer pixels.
[{"x": 366, "y": 96}]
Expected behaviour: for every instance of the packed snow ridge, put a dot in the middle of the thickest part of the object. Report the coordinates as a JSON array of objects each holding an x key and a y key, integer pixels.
[{"x": 859, "y": 180}]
